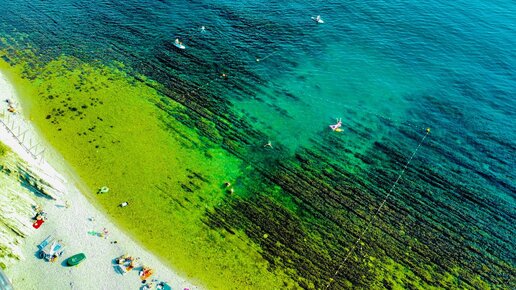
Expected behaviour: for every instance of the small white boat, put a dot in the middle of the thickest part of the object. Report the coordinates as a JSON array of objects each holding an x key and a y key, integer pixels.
[{"x": 318, "y": 20}]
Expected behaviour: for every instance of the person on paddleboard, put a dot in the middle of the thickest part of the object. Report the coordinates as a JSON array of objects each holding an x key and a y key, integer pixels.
[
  {"x": 318, "y": 19},
  {"x": 336, "y": 127}
]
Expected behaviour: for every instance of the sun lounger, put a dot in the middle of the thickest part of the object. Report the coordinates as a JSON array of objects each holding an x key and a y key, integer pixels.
[
  {"x": 121, "y": 269},
  {"x": 50, "y": 249},
  {"x": 45, "y": 242}
]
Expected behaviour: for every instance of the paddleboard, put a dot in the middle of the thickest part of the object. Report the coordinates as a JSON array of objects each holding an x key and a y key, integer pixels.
[
  {"x": 318, "y": 21},
  {"x": 180, "y": 46}
]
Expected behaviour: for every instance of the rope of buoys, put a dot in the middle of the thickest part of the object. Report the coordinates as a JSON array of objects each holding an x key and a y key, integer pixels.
[
  {"x": 364, "y": 232},
  {"x": 377, "y": 211},
  {"x": 196, "y": 90},
  {"x": 266, "y": 57}
]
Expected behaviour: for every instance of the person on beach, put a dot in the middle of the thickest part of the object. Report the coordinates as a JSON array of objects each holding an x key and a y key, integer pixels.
[
  {"x": 131, "y": 266},
  {"x": 104, "y": 233},
  {"x": 40, "y": 215},
  {"x": 11, "y": 106},
  {"x": 121, "y": 260}
]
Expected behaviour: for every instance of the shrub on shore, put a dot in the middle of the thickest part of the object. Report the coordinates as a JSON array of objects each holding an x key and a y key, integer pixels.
[{"x": 3, "y": 149}]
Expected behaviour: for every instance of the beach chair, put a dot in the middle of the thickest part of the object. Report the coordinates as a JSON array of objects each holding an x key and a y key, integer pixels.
[
  {"x": 121, "y": 269},
  {"x": 51, "y": 249},
  {"x": 45, "y": 242}
]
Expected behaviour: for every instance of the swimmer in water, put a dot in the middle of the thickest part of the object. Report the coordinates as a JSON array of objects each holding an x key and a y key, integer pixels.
[{"x": 203, "y": 29}]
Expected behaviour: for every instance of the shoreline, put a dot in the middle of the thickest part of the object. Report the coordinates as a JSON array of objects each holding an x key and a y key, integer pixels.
[{"x": 75, "y": 225}]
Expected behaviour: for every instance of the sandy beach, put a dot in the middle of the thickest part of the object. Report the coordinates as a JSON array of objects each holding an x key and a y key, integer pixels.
[{"x": 77, "y": 223}]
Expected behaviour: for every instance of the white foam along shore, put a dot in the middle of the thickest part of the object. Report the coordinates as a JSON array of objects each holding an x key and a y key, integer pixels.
[{"x": 75, "y": 225}]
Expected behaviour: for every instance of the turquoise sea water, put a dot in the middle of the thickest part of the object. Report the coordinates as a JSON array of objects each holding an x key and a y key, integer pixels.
[{"x": 388, "y": 69}]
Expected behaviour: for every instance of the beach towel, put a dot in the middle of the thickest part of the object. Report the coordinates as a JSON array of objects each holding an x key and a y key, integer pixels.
[{"x": 38, "y": 223}]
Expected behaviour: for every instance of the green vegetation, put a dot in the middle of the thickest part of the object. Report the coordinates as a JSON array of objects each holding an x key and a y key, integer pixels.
[{"x": 3, "y": 149}]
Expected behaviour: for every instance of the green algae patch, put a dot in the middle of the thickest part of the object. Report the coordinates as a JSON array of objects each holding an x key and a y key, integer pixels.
[{"x": 109, "y": 128}]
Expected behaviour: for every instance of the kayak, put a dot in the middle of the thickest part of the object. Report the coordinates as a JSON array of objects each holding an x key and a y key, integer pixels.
[
  {"x": 179, "y": 45},
  {"x": 318, "y": 21},
  {"x": 76, "y": 259}
]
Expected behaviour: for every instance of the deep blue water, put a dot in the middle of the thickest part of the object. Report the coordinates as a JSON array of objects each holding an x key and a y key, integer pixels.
[{"x": 380, "y": 65}]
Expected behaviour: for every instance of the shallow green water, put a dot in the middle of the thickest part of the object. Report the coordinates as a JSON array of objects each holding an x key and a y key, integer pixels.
[{"x": 109, "y": 128}]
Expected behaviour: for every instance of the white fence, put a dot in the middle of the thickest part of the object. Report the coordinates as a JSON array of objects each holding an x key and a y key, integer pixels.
[{"x": 22, "y": 132}]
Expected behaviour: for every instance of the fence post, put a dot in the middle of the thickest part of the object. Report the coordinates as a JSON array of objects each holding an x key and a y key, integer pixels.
[{"x": 42, "y": 156}]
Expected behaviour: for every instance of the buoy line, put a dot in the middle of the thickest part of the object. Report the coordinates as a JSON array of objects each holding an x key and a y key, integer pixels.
[{"x": 364, "y": 232}]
